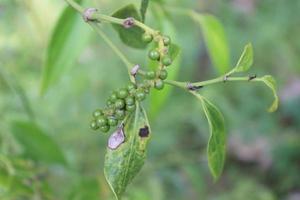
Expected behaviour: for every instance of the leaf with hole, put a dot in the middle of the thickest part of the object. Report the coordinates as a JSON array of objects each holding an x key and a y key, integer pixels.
[
  {"x": 123, "y": 163},
  {"x": 67, "y": 41},
  {"x": 129, "y": 36}
]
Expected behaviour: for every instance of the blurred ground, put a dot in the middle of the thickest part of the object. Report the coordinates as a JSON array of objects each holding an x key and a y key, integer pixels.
[{"x": 263, "y": 161}]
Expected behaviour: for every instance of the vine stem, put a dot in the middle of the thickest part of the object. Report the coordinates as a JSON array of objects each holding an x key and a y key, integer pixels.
[{"x": 186, "y": 85}]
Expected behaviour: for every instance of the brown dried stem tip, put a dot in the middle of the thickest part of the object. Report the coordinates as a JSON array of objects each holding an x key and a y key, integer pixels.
[
  {"x": 128, "y": 22},
  {"x": 192, "y": 87},
  {"x": 87, "y": 14}
]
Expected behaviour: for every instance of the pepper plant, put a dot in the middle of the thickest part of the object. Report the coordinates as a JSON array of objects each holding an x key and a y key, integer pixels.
[{"x": 124, "y": 115}]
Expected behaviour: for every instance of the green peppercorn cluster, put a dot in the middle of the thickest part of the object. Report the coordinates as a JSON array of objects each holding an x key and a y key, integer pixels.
[
  {"x": 160, "y": 54},
  {"x": 120, "y": 103}
]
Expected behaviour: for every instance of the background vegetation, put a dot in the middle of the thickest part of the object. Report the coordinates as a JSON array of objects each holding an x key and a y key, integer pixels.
[{"x": 59, "y": 157}]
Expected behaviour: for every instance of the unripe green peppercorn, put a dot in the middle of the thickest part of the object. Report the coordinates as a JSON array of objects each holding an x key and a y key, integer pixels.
[
  {"x": 154, "y": 55},
  {"x": 112, "y": 121},
  {"x": 163, "y": 74},
  {"x": 110, "y": 111},
  {"x": 113, "y": 97},
  {"x": 104, "y": 128},
  {"x": 140, "y": 96},
  {"x": 150, "y": 75},
  {"x": 147, "y": 37},
  {"x": 120, "y": 114},
  {"x": 94, "y": 125},
  {"x": 109, "y": 103},
  {"x": 97, "y": 113},
  {"x": 130, "y": 108},
  {"x": 131, "y": 86},
  {"x": 166, "y": 40},
  {"x": 102, "y": 121},
  {"x": 166, "y": 61},
  {"x": 129, "y": 101},
  {"x": 122, "y": 93},
  {"x": 120, "y": 104},
  {"x": 159, "y": 84}
]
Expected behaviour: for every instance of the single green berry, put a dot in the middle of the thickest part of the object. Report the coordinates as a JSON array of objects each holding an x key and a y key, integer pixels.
[
  {"x": 130, "y": 108},
  {"x": 120, "y": 104},
  {"x": 159, "y": 84},
  {"x": 147, "y": 37},
  {"x": 120, "y": 114},
  {"x": 166, "y": 40},
  {"x": 102, "y": 121},
  {"x": 166, "y": 61},
  {"x": 104, "y": 128},
  {"x": 163, "y": 74},
  {"x": 97, "y": 113},
  {"x": 150, "y": 75},
  {"x": 109, "y": 103},
  {"x": 122, "y": 93},
  {"x": 140, "y": 95},
  {"x": 94, "y": 125},
  {"x": 129, "y": 101},
  {"x": 113, "y": 97},
  {"x": 154, "y": 55},
  {"x": 131, "y": 86},
  {"x": 112, "y": 121}
]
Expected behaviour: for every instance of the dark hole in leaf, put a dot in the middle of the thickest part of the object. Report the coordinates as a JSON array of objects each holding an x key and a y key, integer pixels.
[{"x": 144, "y": 132}]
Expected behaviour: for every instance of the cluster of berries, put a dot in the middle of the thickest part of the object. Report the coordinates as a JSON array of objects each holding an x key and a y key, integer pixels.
[{"x": 120, "y": 103}]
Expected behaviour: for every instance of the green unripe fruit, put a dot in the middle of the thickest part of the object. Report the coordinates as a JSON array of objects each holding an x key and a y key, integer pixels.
[
  {"x": 163, "y": 74},
  {"x": 166, "y": 40},
  {"x": 120, "y": 114},
  {"x": 150, "y": 75},
  {"x": 104, "y": 128},
  {"x": 147, "y": 37},
  {"x": 113, "y": 97},
  {"x": 112, "y": 121},
  {"x": 140, "y": 95},
  {"x": 122, "y": 93},
  {"x": 130, "y": 108},
  {"x": 129, "y": 101},
  {"x": 109, "y": 103},
  {"x": 131, "y": 86},
  {"x": 102, "y": 121},
  {"x": 97, "y": 113},
  {"x": 166, "y": 61},
  {"x": 120, "y": 104},
  {"x": 154, "y": 55},
  {"x": 132, "y": 92},
  {"x": 159, "y": 84},
  {"x": 94, "y": 125}
]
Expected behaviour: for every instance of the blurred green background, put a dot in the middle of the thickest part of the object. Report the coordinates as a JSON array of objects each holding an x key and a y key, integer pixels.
[{"x": 263, "y": 157}]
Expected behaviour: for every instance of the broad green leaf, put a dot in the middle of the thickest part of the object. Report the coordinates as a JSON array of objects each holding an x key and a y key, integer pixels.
[
  {"x": 246, "y": 59},
  {"x": 36, "y": 144},
  {"x": 129, "y": 36},
  {"x": 159, "y": 98},
  {"x": 216, "y": 149},
  {"x": 68, "y": 39},
  {"x": 271, "y": 83},
  {"x": 143, "y": 9},
  {"x": 123, "y": 163},
  {"x": 216, "y": 41}
]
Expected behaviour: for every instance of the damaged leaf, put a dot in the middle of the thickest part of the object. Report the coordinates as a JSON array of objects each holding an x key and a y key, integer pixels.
[{"x": 124, "y": 160}]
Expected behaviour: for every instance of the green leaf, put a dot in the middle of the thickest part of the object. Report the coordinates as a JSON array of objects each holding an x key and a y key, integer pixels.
[
  {"x": 216, "y": 41},
  {"x": 216, "y": 149},
  {"x": 129, "y": 36},
  {"x": 68, "y": 39},
  {"x": 143, "y": 9},
  {"x": 246, "y": 59},
  {"x": 159, "y": 98},
  {"x": 271, "y": 83},
  {"x": 36, "y": 144},
  {"x": 123, "y": 163}
]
